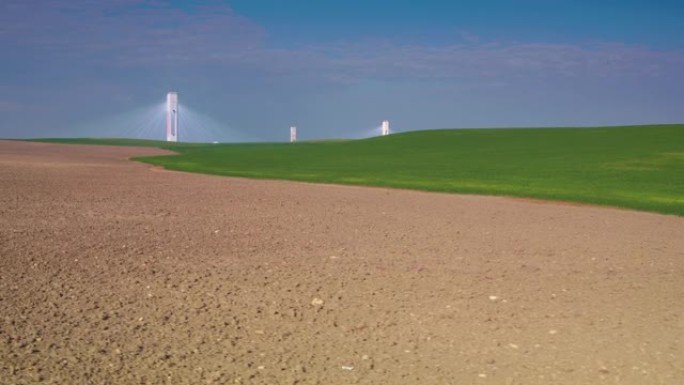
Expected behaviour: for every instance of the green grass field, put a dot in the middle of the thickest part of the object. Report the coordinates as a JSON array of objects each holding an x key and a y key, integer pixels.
[{"x": 637, "y": 167}]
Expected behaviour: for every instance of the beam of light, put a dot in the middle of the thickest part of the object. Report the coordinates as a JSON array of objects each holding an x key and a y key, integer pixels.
[
  {"x": 366, "y": 133},
  {"x": 141, "y": 123},
  {"x": 195, "y": 126},
  {"x": 149, "y": 122}
]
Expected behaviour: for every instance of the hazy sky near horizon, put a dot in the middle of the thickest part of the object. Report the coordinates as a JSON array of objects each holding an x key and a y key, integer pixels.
[{"x": 335, "y": 69}]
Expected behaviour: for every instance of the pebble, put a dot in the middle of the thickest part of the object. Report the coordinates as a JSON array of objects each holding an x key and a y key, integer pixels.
[
  {"x": 317, "y": 302},
  {"x": 344, "y": 367},
  {"x": 514, "y": 346},
  {"x": 552, "y": 331},
  {"x": 493, "y": 297},
  {"x": 482, "y": 375}
]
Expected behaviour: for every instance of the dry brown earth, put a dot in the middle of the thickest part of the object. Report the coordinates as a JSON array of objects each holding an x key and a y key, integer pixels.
[{"x": 112, "y": 272}]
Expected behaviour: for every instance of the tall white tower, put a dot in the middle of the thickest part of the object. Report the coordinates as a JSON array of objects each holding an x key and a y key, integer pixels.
[
  {"x": 172, "y": 117},
  {"x": 293, "y": 134},
  {"x": 385, "y": 127}
]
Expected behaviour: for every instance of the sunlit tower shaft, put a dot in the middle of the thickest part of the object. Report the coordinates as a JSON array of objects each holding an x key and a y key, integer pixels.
[
  {"x": 293, "y": 134},
  {"x": 172, "y": 117},
  {"x": 385, "y": 127}
]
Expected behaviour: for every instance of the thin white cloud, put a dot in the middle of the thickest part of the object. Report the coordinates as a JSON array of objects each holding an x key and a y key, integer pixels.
[
  {"x": 148, "y": 34},
  {"x": 501, "y": 60},
  {"x": 124, "y": 32}
]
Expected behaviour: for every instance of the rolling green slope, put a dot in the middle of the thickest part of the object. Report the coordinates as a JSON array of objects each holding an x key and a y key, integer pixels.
[{"x": 639, "y": 167}]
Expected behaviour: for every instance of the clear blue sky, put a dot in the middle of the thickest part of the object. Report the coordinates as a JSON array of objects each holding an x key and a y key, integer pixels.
[{"x": 251, "y": 69}]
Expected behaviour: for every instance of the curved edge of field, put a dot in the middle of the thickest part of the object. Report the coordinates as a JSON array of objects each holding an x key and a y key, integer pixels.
[
  {"x": 664, "y": 206},
  {"x": 628, "y": 167}
]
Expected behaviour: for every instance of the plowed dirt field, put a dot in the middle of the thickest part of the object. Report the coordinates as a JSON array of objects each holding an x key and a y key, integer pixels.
[{"x": 113, "y": 272}]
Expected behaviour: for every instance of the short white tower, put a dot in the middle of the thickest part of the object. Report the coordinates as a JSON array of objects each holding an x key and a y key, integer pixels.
[
  {"x": 293, "y": 134},
  {"x": 172, "y": 117},
  {"x": 385, "y": 127}
]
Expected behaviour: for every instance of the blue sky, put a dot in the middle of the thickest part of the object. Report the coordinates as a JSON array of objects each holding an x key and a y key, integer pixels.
[{"x": 247, "y": 70}]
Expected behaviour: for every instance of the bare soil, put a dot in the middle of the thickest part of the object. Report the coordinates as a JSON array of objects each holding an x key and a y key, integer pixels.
[{"x": 112, "y": 273}]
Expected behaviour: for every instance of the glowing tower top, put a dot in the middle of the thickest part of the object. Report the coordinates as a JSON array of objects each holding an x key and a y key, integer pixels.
[{"x": 172, "y": 117}]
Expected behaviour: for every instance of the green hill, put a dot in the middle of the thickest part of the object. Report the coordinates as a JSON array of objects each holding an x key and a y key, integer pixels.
[{"x": 639, "y": 167}]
